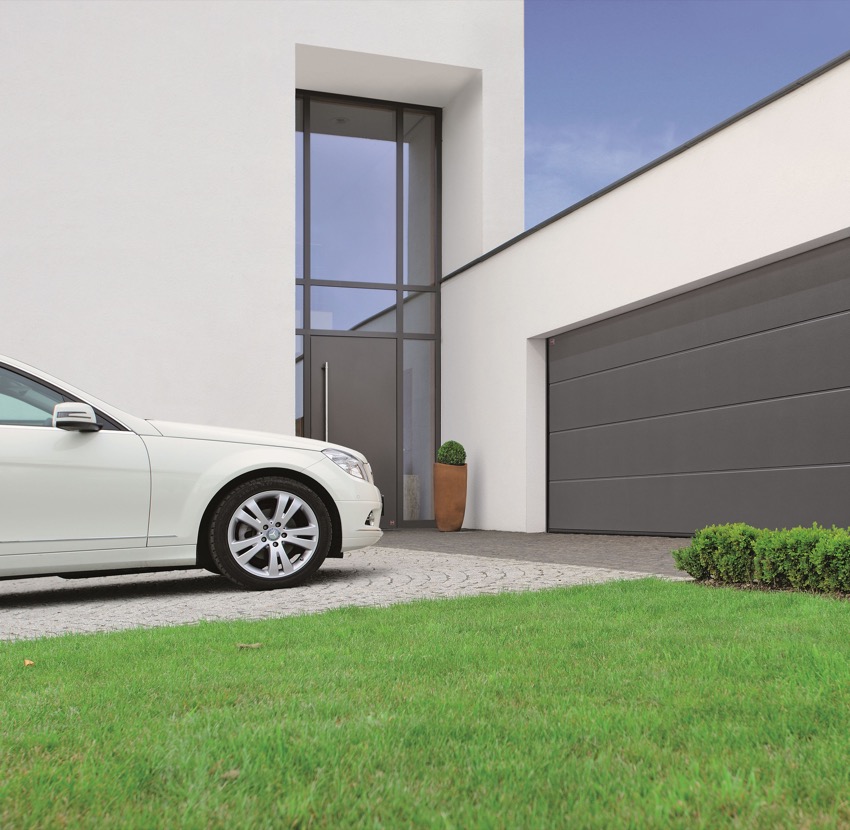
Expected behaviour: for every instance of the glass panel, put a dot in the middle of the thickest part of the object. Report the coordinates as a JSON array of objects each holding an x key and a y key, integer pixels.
[
  {"x": 352, "y": 309},
  {"x": 353, "y": 192},
  {"x": 24, "y": 402},
  {"x": 419, "y": 198},
  {"x": 418, "y": 409},
  {"x": 419, "y": 312},
  {"x": 299, "y": 384},
  {"x": 299, "y": 188},
  {"x": 299, "y": 306}
]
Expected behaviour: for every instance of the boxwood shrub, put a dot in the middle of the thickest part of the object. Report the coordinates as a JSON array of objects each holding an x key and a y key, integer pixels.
[
  {"x": 451, "y": 452},
  {"x": 807, "y": 558}
]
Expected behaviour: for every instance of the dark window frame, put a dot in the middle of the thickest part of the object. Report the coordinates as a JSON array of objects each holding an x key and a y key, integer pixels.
[{"x": 399, "y": 285}]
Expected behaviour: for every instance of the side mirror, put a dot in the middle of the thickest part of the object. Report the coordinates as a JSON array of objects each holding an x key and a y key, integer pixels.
[{"x": 75, "y": 416}]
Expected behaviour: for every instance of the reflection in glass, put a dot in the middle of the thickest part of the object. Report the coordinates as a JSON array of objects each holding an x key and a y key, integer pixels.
[
  {"x": 25, "y": 402},
  {"x": 418, "y": 409},
  {"x": 352, "y": 309},
  {"x": 299, "y": 384},
  {"x": 299, "y": 188},
  {"x": 353, "y": 187},
  {"x": 419, "y": 312},
  {"x": 419, "y": 198},
  {"x": 299, "y": 306}
]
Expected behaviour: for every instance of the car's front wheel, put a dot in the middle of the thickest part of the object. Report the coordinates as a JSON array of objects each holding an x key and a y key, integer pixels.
[{"x": 270, "y": 532}]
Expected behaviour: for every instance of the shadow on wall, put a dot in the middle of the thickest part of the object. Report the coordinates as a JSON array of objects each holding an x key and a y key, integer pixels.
[{"x": 476, "y": 490}]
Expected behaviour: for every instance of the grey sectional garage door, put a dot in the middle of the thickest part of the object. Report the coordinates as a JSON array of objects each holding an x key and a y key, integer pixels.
[{"x": 729, "y": 403}]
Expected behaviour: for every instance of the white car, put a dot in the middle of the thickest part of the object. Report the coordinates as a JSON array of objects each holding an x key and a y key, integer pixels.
[{"x": 86, "y": 490}]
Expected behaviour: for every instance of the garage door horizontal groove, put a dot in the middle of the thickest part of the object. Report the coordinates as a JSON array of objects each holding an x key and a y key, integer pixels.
[
  {"x": 704, "y": 347},
  {"x": 742, "y": 471},
  {"x": 591, "y": 532},
  {"x": 684, "y": 412}
]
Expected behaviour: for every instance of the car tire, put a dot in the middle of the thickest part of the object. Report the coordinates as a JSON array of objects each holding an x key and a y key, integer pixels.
[{"x": 269, "y": 532}]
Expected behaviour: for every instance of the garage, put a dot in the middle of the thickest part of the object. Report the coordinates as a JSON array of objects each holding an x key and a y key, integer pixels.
[{"x": 727, "y": 403}]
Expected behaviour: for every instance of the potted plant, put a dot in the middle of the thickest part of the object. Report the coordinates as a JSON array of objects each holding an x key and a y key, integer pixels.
[{"x": 450, "y": 486}]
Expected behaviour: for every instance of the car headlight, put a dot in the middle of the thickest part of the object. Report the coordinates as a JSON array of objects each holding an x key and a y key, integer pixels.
[{"x": 353, "y": 466}]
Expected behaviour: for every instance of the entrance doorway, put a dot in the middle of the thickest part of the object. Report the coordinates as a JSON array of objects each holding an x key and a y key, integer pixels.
[
  {"x": 367, "y": 289},
  {"x": 353, "y": 403}
]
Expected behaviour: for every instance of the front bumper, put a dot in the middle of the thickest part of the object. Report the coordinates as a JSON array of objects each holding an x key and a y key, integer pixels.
[
  {"x": 360, "y": 522},
  {"x": 358, "y": 503}
]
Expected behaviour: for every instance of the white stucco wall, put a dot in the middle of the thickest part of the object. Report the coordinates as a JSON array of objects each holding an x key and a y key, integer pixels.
[
  {"x": 772, "y": 181},
  {"x": 147, "y": 196}
]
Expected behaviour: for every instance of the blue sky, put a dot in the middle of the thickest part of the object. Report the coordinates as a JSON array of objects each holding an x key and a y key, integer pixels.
[{"x": 613, "y": 84}]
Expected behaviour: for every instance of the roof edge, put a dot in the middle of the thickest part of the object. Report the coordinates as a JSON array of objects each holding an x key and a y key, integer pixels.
[{"x": 775, "y": 96}]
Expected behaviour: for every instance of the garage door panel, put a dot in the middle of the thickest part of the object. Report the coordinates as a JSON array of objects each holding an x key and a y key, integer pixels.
[
  {"x": 681, "y": 504},
  {"x": 727, "y": 403},
  {"x": 809, "y": 357},
  {"x": 804, "y": 287},
  {"x": 805, "y": 430}
]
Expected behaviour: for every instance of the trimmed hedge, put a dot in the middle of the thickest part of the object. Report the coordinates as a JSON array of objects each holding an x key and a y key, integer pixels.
[{"x": 808, "y": 558}]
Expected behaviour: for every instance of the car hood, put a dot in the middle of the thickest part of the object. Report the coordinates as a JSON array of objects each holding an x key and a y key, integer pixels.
[{"x": 200, "y": 432}]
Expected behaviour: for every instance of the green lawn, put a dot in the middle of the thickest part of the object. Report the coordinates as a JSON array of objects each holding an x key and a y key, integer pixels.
[{"x": 634, "y": 704}]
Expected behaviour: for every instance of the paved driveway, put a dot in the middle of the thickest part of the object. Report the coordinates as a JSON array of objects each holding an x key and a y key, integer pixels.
[
  {"x": 375, "y": 576},
  {"x": 647, "y": 554}
]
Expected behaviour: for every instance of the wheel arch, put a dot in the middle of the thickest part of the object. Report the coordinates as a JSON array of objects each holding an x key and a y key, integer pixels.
[{"x": 203, "y": 545}]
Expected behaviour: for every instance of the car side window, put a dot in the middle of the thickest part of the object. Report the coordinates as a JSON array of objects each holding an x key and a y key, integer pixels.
[{"x": 25, "y": 402}]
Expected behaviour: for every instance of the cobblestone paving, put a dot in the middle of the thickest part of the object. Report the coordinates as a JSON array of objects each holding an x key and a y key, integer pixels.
[{"x": 45, "y": 607}]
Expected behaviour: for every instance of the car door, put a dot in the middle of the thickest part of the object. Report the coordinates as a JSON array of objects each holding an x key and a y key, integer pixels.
[{"x": 65, "y": 491}]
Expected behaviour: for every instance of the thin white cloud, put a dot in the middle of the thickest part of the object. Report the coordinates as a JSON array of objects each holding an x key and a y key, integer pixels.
[{"x": 567, "y": 163}]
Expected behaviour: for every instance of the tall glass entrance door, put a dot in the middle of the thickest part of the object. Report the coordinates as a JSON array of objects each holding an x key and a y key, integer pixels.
[
  {"x": 367, "y": 288},
  {"x": 353, "y": 396}
]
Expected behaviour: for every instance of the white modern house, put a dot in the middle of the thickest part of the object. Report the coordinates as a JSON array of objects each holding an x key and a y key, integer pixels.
[
  {"x": 672, "y": 352},
  {"x": 308, "y": 215}
]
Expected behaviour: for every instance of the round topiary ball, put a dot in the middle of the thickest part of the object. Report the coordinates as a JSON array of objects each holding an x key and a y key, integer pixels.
[{"x": 451, "y": 452}]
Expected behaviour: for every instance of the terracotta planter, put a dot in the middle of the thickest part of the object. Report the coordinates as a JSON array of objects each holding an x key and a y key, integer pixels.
[{"x": 449, "y": 496}]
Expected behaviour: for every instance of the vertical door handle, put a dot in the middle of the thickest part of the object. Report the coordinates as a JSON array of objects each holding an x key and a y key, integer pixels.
[{"x": 327, "y": 370}]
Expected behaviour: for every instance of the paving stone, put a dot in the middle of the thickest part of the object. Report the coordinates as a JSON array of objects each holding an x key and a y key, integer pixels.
[{"x": 378, "y": 576}]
